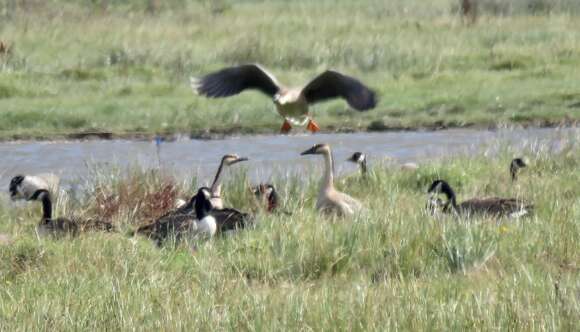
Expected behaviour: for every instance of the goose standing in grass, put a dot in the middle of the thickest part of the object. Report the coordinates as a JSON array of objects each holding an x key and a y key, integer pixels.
[
  {"x": 493, "y": 206},
  {"x": 515, "y": 166},
  {"x": 329, "y": 199},
  {"x": 291, "y": 103},
  {"x": 23, "y": 187},
  {"x": 60, "y": 227},
  {"x": 360, "y": 159}
]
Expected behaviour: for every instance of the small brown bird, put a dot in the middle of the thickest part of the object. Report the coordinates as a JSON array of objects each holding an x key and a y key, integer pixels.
[
  {"x": 266, "y": 196},
  {"x": 291, "y": 103},
  {"x": 494, "y": 206}
]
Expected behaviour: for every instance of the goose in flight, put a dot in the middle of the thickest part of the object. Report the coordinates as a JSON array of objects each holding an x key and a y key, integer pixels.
[{"x": 291, "y": 103}]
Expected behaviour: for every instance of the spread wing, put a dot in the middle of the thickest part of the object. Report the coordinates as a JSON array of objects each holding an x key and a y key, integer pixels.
[
  {"x": 233, "y": 80},
  {"x": 332, "y": 84}
]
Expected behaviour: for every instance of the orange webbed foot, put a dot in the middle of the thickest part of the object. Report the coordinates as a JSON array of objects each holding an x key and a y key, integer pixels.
[
  {"x": 286, "y": 127},
  {"x": 312, "y": 126}
]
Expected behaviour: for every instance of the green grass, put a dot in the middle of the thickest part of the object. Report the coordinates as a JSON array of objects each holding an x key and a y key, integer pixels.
[
  {"x": 123, "y": 66},
  {"x": 392, "y": 268}
]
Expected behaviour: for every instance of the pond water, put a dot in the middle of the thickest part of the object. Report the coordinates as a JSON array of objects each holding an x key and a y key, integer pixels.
[{"x": 268, "y": 154}]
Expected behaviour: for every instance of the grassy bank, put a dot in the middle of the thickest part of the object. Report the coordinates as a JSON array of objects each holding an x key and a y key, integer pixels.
[
  {"x": 123, "y": 67},
  {"x": 393, "y": 268}
]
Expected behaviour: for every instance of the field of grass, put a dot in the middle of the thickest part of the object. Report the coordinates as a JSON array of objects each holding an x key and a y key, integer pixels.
[
  {"x": 393, "y": 267},
  {"x": 123, "y": 66}
]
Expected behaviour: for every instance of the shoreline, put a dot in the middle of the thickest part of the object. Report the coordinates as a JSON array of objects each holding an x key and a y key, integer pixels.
[{"x": 239, "y": 131}]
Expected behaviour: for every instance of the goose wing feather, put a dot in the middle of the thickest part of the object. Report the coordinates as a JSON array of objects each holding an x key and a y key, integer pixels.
[
  {"x": 230, "y": 219},
  {"x": 332, "y": 84},
  {"x": 495, "y": 206},
  {"x": 233, "y": 80}
]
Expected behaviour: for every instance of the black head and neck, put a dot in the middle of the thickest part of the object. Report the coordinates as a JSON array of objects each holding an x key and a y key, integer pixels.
[
  {"x": 202, "y": 203},
  {"x": 14, "y": 184},
  {"x": 441, "y": 186},
  {"x": 360, "y": 159},
  {"x": 44, "y": 196},
  {"x": 515, "y": 166}
]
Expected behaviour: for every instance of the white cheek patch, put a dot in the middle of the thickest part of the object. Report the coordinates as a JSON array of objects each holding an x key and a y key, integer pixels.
[
  {"x": 519, "y": 214},
  {"x": 29, "y": 186}
]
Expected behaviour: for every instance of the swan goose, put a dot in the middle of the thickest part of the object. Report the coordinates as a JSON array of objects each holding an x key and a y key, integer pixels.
[
  {"x": 291, "y": 103},
  {"x": 329, "y": 199}
]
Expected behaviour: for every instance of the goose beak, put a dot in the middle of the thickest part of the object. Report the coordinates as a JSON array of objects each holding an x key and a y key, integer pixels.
[
  {"x": 239, "y": 160},
  {"x": 312, "y": 150},
  {"x": 351, "y": 158}
]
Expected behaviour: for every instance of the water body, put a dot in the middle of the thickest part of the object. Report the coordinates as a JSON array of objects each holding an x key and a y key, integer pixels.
[{"x": 269, "y": 154}]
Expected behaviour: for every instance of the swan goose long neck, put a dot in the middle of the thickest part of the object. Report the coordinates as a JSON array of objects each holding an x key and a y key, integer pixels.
[
  {"x": 329, "y": 199},
  {"x": 216, "y": 186}
]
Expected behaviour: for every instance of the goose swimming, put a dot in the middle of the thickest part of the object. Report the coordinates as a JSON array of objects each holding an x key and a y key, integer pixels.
[
  {"x": 291, "y": 103},
  {"x": 329, "y": 199},
  {"x": 494, "y": 206}
]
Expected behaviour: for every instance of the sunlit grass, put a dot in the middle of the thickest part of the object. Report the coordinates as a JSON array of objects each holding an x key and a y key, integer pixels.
[
  {"x": 392, "y": 267},
  {"x": 126, "y": 70}
]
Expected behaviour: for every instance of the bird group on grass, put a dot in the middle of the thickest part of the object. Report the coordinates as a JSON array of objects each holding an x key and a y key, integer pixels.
[{"x": 205, "y": 215}]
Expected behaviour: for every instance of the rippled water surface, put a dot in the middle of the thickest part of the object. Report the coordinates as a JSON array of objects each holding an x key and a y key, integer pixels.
[{"x": 268, "y": 154}]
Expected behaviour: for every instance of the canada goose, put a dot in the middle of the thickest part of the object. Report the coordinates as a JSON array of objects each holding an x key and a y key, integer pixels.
[
  {"x": 205, "y": 222},
  {"x": 360, "y": 159},
  {"x": 216, "y": 186},
  {"x": 291, "y": 103},
  {"x": 181, "y": 223},
  {"x": 495, "y": 206},
  {"x": 515, "y": 166},
  {"x": 266, "y": 196},
  {"x": 434, "y": 206},
  {"x": 22, "y": 187},
  {"x": 329, "y": 199},
  {"x": 62, "y": 226}
]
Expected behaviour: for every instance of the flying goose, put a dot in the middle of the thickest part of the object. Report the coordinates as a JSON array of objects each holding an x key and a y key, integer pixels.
[
  {"x": 206, "y": 221},
  {"x": 515, "y": 166},
  {"x": 329, "y": 199},
  {"x": 22, "y": 187},
  {"x": 291, "y": 103},
  {"x": 494, "y": 206},
  {"x": 360, "y": 159},
  {"x": 59, "y": 227}
]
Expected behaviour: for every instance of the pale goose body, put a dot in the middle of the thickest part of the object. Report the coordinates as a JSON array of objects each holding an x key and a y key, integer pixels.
[
  {"x": 330, "y": 200},
  {"x": 291, "y": 103}
]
